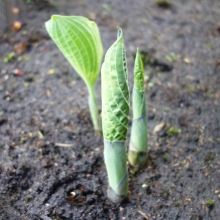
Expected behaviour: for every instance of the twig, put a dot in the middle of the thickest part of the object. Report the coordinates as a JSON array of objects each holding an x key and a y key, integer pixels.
[
  {"x": 143, "y": 214},
  {"x": 140, "y": 211},
  {"x": 63, "y": 145}
]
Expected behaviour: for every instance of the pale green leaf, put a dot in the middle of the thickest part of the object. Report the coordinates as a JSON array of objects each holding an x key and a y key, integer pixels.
[
  {"x": 115, "y": 92},
  {"x": 79, "y": 40}
]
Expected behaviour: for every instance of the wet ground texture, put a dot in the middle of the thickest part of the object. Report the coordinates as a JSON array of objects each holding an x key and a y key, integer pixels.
[{"x": 51, "y": 160}]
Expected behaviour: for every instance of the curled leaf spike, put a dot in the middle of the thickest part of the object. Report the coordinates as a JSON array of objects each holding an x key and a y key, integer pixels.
[
  {"x": 115, "y": 111},
  {"x": 137, "y": 154}
]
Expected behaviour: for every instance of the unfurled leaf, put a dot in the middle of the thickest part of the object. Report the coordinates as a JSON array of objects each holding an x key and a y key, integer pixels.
[{"x": 79, "y": 40}]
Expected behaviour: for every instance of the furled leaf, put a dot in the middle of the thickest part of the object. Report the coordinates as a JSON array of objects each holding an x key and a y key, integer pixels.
[
  {"x": 138, "y": 72},
  {"x": 137, "y": 154},
  {"x": 138, "y": 96},
  {"x": 79, "y": 40},
  {"x": 115, "y": 110},
  {"x": 115, "y": 92}
]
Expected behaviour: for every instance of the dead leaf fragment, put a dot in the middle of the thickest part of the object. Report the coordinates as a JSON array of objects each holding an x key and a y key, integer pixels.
[
  {"x": 15, "y": 11},
  {"x": 159, "y": 127},
  {"x": 190, "y": 77},
  {"x": 40, "y": 135},
  {"x": 20, "y": 48},
  {"x": 187, "y": 60},
  {"x": 51, "y": 71},
  {"x": 16, "y": 26},
  {"x": 188, "y": 199},
  {"x": 48, "y": 92},
  {"x": 92, "y": 15},
  {"x": 18, "y": 72},
  {"x": 176, "y": 155}
]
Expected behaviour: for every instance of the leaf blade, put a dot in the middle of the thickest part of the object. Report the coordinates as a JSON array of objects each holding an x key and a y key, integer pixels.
[{"x": 79, "y": 40}]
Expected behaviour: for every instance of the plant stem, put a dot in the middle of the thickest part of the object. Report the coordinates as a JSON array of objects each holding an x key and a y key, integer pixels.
[
  {"x": 137, "y": 154},
  {"x": 94, "y": 109},
  {"x": 115, "y": 161}
]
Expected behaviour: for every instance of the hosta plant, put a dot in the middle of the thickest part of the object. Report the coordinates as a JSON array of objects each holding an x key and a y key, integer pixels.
[
  {"x": 137, "y": 153},
  {"x": 79, "y": 40},
  {"x": 115, "y": 111}
]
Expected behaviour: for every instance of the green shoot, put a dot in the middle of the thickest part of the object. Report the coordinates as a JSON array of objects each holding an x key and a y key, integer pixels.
[
  {"x": 172, "y": 131},
  {"x": 10, "y": 57},
  {"x": 79, "y": 40},
  {"x": 165, "y": 157},
  {"x": 171, "y": 57},
  {"x": 107, "y": 7},
  {"x": 115, "y": 111},
  {"x": 137, "y": 154},
  {"x": 209, "y": 202}
]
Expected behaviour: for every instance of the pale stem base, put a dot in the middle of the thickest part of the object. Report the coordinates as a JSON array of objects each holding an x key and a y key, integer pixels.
[
  {"x": 115, "y": 161},
  {"x": 94, "y": 109}
]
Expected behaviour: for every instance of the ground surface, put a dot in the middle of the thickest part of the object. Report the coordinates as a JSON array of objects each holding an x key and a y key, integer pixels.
[{"x": 47, "y": 106}]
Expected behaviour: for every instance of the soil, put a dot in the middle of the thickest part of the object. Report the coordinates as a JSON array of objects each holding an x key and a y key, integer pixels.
[{"x": 51, "y": 160}]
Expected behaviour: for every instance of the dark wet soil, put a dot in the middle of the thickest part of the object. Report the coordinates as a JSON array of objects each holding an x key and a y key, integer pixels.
[{"x": 51, "y": 160}]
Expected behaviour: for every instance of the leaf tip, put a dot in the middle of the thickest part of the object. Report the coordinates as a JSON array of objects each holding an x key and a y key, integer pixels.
[
  {"x": 119, "y": 33},
  {"x": 92, "y": 23},
  {"x": 53, "y": 17},
  {"x": 138, "y": 54}
]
